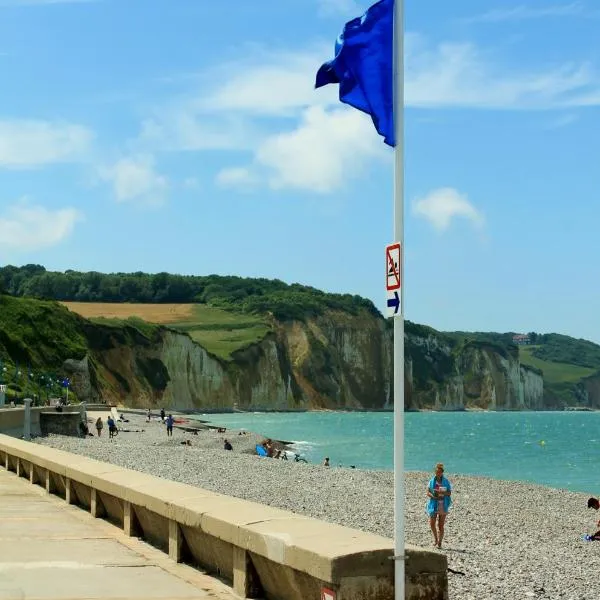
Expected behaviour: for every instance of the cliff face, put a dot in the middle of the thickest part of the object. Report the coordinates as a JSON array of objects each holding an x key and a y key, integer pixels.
[
  {"x": 443, "y": 377},
  {"x": 337, "y": 361},
  {"x": 588, "y": 392}
]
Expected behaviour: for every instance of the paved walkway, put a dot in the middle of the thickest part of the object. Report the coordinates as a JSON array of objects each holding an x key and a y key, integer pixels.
[{"x": 50, "y": 550}]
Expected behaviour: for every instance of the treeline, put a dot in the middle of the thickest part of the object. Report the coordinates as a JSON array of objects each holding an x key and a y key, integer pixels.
[
  {"x": 546, "y": 346},
  {"x": 565, "y": 349},
  {"x": 250, "y": 295}
]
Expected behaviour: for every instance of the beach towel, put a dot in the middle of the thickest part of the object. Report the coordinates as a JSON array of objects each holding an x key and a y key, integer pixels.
[
  {"x": 431, "y": 507},
  {"x": 260, "y": 450}
]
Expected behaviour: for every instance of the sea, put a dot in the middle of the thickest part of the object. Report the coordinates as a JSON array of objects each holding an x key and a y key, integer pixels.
[{"x": 556, "y": 449}]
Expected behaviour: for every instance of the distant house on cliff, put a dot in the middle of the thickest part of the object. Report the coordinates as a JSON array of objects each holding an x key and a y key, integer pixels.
[{"x": 521, "y": 339}]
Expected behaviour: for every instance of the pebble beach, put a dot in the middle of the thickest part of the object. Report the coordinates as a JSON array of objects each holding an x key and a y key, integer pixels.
[{"x": 504, "y": 539}]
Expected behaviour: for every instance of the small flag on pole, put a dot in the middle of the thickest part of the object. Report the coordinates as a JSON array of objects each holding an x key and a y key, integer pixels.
[{"x": 363, "y": 67}]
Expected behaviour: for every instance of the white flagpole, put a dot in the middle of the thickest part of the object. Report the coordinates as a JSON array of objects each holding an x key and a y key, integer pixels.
[{"x": 398, "y": 46}]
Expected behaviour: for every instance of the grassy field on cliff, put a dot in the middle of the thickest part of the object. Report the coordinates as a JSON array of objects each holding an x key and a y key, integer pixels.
[
  {"x": 563, "y": 360},
  {"x": 554, "y": 372},
  {"x": 249, "y": 295},
  {"x": 228, "y": 313},
  {"x": 221, "y": 332}
]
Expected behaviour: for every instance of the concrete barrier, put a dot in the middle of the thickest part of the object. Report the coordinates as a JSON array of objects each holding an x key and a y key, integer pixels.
[
  {"x": 66, "y": 422},
  {"x": 12, "y": 420},
  {"x": 263, "y": 551},
  {"x": 44, "y": 420}
]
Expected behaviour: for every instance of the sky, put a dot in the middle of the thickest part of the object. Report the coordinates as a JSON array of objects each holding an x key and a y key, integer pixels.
[{"x": 186, "y": 136}]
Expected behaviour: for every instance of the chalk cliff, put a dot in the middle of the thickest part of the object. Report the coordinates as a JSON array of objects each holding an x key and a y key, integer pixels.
[{"x": 335, "y": 361}]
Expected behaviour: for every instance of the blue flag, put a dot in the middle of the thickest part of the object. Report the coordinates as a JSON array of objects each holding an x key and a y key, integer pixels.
[{"x": 363, "y": 67}]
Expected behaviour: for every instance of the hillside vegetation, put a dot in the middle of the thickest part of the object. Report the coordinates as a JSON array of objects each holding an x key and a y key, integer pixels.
[
  {"x": 245, "y": 295},
  {"x": 564, "y": 361},
  {"x": 225, "y": 314},
  {"x": 221, "y": 332},
  {"x": 36, "y": 337}
]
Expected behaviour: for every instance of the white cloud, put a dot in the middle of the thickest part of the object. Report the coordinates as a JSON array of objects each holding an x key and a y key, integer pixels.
[
  {"x": 271, "y": 83},
  {"x": 441, "y": 206},
  {"x": 25, "y": 227},
  {"x": 232, "y": 114},
  {"x": 325, "y": 151},
  {"x": 446, "y": 75},
  {"x": 453, "y": 75},
  {"x": 563, "y": 121},
  {"x": 240, "y": 178},
  {"x": 339, "y": 7},
  {"x": 524, "y": 12},
  {"x": 181, "y": 128},
  {"x": 135, "y": 179},
  {"x": 320, "y": 145},
  {"x": 29, "y": 143}
]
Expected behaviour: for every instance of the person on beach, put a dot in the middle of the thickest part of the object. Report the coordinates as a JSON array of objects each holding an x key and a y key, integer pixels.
[
  {"x": 438, "y": 503},
  {"x": 99, "y": 425},
  {"x": 112, "y": 427},
  {"x": 227, "y": 445},
  {"x": 162, "y": 415},
  {"x": 595, "y": 504},
  {"x": 148, "y": 416},
  {"x": 84, "y": 429},
  {"x": 326, "y": 461},
  {"x": 269, "y": 448},
  {"x": 170, "y": 422}
]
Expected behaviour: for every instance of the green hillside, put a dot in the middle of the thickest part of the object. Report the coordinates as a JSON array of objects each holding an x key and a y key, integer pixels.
[
  {"x": 36, "y": 337},
  {"x": 554, "y": 372},
  {"x": 257, "y": 296},
  {"x": 230, "y": 313},
  {"x": 223, "y": 332},
  {"x": 564, "y": 361}
]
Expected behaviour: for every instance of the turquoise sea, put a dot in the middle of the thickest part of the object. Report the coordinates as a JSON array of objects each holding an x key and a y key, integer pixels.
[{"x": 557, "y": 449}]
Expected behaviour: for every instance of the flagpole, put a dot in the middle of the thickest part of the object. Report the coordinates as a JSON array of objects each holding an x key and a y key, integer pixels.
[{"x": 398, "y": 61}]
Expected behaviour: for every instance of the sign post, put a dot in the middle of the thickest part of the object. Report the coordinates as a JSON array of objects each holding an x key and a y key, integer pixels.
[{"x": 397, "y": 301}]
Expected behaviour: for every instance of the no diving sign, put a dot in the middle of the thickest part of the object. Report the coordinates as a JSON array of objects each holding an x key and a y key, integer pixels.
[
  {"x": 327, "y": 594},
  {"x": 393, "y": 259},
  {"x": 393, "y": 279}
]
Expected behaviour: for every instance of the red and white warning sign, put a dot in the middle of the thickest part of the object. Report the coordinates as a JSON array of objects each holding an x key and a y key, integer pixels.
[
  {"x": 393, "y": 266},
  {"x": 327, "y": 594}
]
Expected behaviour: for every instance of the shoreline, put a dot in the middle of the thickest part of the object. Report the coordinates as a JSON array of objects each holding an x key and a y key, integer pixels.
[
  {"x": 237, "y": 411},
  {"x": 510, "y": 539}
]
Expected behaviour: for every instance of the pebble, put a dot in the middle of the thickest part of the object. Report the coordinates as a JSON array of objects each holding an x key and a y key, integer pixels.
[{"x": 511, "y": 540}]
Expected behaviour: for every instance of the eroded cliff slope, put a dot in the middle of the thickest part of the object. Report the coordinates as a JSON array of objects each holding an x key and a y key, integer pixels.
[{"x": 334, "y": 361}]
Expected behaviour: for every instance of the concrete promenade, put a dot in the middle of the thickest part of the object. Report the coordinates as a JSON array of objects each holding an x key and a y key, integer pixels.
[{"x": 51, "y": 550}]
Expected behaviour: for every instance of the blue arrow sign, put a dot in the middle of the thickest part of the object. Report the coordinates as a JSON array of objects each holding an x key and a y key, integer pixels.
[{"x": 394, "y": 303}]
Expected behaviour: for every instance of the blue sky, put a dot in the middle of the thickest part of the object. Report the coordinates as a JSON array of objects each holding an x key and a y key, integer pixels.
[{"x": 186, "y": 136}]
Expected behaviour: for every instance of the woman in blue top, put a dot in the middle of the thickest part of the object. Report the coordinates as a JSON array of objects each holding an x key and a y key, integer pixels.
[{"x": 438, "y": 492}]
